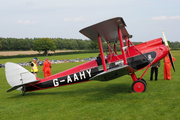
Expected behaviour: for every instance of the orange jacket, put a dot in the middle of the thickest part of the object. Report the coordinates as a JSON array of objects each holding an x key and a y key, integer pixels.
[
  {"x": 167, "y": 60},
  {"x": 46, "y": 65},
  {"x": 167, "y": 67}
]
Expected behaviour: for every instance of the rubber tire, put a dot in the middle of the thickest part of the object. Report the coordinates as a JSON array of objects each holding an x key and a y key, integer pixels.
[
  {"x": 143, "y": 81},
  {"x": 139, "y": 86}
]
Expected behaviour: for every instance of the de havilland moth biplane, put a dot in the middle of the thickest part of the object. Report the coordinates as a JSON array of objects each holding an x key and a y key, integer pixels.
[{"x": 132, "y": 58}]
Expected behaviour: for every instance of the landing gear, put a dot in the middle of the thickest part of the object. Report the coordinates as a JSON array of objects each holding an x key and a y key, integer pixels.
[
  {"x": 139, "y": 86},
  {"x": 143, "y": 81},
  {"x": 23, "y": 90}
]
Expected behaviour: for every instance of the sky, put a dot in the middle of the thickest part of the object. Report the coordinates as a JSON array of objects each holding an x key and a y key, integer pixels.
[{"x": 145, "y": 19}]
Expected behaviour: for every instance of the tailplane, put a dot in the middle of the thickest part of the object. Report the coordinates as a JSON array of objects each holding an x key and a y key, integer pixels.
[{"x": 17, "y": 76}]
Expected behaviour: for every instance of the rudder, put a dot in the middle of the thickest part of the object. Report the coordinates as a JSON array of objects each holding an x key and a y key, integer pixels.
[{"x": 18, "y": 76}]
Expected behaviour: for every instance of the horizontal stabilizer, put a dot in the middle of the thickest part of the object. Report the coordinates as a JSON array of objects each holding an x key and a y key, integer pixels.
[
  {"x": 18, "y": 86},
  {"x": 113, "y": 73}
]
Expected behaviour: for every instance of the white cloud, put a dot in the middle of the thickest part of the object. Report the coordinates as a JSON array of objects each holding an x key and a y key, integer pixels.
[
  {"x": 77, "y": 19},
  {"x": 166, "y": 18},
  {"x": 26, "y": 22}
]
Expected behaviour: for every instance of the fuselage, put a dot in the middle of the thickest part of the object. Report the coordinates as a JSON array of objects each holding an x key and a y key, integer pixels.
[{"x": 138, "y": 57}]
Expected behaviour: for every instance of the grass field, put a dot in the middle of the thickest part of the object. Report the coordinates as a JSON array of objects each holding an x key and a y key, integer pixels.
[{"x": 95, "y": 100}]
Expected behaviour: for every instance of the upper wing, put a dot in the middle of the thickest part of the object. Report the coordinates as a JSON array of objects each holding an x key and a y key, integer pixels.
[{"x": 108, "y": 30}]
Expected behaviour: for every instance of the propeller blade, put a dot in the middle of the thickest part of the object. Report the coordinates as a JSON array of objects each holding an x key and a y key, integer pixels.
[
  {"x": 165, "y": 40},
  {"x": 170, "y": 57},
  {"x": 167, "y": 45}
]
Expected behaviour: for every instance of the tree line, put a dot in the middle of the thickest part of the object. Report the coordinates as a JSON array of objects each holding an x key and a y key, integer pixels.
[{"x": 15, "y": 44}]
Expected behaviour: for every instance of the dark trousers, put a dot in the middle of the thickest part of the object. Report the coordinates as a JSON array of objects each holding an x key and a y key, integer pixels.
[{"x": 152, "y": 72}]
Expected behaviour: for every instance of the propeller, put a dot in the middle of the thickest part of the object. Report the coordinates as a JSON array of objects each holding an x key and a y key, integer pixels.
[{"x": 169, "y": 51}]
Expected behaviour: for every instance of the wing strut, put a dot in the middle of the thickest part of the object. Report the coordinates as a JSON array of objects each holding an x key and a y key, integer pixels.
[
  {"x": 122, "y": 46},
  {"x": 109, "y": 47},
  {"x": 115, "y": 50},
  {"x": 102, "y": 53}
]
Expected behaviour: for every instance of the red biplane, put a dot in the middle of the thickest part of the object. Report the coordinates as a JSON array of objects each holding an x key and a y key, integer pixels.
[{"x": 131, "y": 59}]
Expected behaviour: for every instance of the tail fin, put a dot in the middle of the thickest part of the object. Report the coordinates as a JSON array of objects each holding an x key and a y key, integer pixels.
[{"x": 18, "y": 76}]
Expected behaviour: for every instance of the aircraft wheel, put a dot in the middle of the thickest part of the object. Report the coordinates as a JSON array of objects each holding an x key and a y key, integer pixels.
[
  {"x": 143, "y": 81},
  {"x": 138, "y": 86}
]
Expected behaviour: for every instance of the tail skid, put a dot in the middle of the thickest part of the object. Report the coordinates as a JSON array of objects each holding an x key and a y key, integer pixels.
[{"x": 18, "y": 77}]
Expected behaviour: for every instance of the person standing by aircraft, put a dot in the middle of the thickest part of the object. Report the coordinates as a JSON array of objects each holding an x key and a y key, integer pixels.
[
  {"x": 34, "y": 67},
  {"x": 47, "y": 68},
  {"x": 167, "y": 67},
  {"x": 98, "y": 59},
  {"x": 154, "y": 67}
]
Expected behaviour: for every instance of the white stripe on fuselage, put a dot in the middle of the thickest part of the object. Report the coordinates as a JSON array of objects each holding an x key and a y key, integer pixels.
[{"x": 75, "y": 78}]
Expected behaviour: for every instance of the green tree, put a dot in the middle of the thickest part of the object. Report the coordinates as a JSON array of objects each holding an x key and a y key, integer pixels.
[
  {"x": 74, "y": 45},
  {"x": 82, "y": 44},
  {"x": 93, "y": 45},
  {"x": 5, "y": 45},
  {"x": 23, "y": 44},
  {"x": 44, "y": 44},
  {"x": 0, "y": 45},
  {"x": 58, "y": 43},
  {"x": 169, "y": 43},
  {"x": 65, "y": 44},
  {"x": 30, "y": 42}
]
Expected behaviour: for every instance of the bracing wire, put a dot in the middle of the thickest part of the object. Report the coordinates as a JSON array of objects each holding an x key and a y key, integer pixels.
[{"x": 109, "y": 46}]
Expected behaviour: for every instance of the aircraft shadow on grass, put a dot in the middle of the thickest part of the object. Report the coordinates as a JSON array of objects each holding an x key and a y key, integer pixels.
[{"x": 92, "y": 93}]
